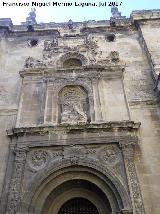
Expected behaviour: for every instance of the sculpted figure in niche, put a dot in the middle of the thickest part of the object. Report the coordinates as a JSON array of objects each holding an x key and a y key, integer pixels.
[{"x": 73, "y": 105}]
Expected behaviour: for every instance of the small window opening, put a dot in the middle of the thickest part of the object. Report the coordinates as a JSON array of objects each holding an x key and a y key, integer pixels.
[{"x": 111, "y": 37}]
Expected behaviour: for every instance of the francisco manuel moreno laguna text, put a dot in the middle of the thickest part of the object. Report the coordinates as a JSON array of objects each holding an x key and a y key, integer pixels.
[{"x": 54, "y": 4}]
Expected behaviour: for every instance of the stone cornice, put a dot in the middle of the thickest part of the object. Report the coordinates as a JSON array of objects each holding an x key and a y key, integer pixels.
[
  {"x": 87, "y": 25},
  {"x": 90, "y": 26},
  {"x": 6, "y": 23},
  {"x": 129, "y": 126},
  {"x": 110, "y": 70},
  {"x": 138, "y": 15},
  {"x": 53, "y": 32}
]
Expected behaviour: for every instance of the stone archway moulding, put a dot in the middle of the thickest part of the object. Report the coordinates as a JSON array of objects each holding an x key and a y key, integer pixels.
[
  {"x": 76, "y": 193},
  {"x": 70, "y": 55},
  {"x": 90, "y": 164},
  {"x": 16, "y": 201}
]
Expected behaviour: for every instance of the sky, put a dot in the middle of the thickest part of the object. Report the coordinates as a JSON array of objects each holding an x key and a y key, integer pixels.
[{"x": 62, "y": 13}]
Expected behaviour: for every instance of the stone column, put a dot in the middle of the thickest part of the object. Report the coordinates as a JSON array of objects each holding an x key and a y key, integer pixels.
[
  {"x": 97, "y": 104},
  {"x": 137, "y": 202},
  {"x": 14, "y": 197},
  {"x": 41, "y": 101}
]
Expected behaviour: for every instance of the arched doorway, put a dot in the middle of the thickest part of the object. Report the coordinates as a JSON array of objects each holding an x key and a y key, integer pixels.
[
  {"x": 78, "y": 206},
  {"x": 76, "y": 191},
  {"x": 63, "y": 182}
]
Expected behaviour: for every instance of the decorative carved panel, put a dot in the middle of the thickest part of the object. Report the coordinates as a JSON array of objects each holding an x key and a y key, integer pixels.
[
  {"x": 110, "y": 155},
  {"x": 73, "y": 101},
  {"x": 50, "y": 44},
  {"x": 38, "y": 159}
]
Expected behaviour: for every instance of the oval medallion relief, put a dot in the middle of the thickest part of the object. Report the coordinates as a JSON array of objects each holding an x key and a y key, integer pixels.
[
  {"x": 38, "y": 159},
  {"x": 110, "y": 155}
]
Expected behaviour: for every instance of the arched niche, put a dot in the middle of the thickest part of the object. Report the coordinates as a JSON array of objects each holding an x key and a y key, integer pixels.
[
  {"x": 73, "y": 105},
  {"x": 71, "y": 59},
  {"x": 72, "y": 62},
  {"x": 56, "y": 184}
]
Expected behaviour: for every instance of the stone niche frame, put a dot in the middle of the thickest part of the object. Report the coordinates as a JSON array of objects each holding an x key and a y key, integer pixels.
[
  {"x": 57, "y": 86},
  {"x": 78, "y": 96},
  {"x": 53, "y": 80},
  {"x": 72, "y": 55},
  {"x": 23, "y": 191}
]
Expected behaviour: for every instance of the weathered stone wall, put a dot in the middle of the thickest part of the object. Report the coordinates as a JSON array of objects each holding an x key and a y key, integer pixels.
[
  {"x": 116, "y": 97},
  {"x": 147, "y": 156}
]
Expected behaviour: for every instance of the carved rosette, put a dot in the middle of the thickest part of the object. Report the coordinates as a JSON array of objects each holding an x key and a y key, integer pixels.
[
  {"x": 128, "y": 152},
  {"x": 110, "y": 155},
  {"x": 14, "y": 197},
  {"x": 38, "y": 159}
]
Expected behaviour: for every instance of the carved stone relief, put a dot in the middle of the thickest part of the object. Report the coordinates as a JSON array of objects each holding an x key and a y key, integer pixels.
[
  {"x": 112, "y": 58},
  {"x": 34, "y": 63},
  {"x": 72, "y": 55},
  {"x": 50, "y": 44},
  {"x": 14, "y": 197},
  {"x": 128, "y": 152},
  {"x": 73, "y": 105},
  {"x": 110, "y": 155},
  {"x": 90, "y": 44},
  {"x": 114, "y": 55},
  {"x": 59, "y": 83},
  {"x": 92, "y": 48},
  {"x": 74, "y": 153},
  {"x": 51, "y": 49},
  {"x": 38, "y": 159}
]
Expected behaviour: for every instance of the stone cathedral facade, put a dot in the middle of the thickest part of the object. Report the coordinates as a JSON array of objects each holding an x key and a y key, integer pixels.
[{"x": 80, "y": 116}]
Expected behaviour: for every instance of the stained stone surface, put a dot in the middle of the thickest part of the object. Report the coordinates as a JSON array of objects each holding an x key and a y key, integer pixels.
[{"x": 68, "y": 97}]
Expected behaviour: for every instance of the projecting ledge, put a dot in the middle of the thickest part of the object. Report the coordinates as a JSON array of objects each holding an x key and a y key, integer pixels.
[
  {"x": 116, "y": 126},
  {"x": 145, "y": 15},
  {"x": 110, "y": 70}
]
